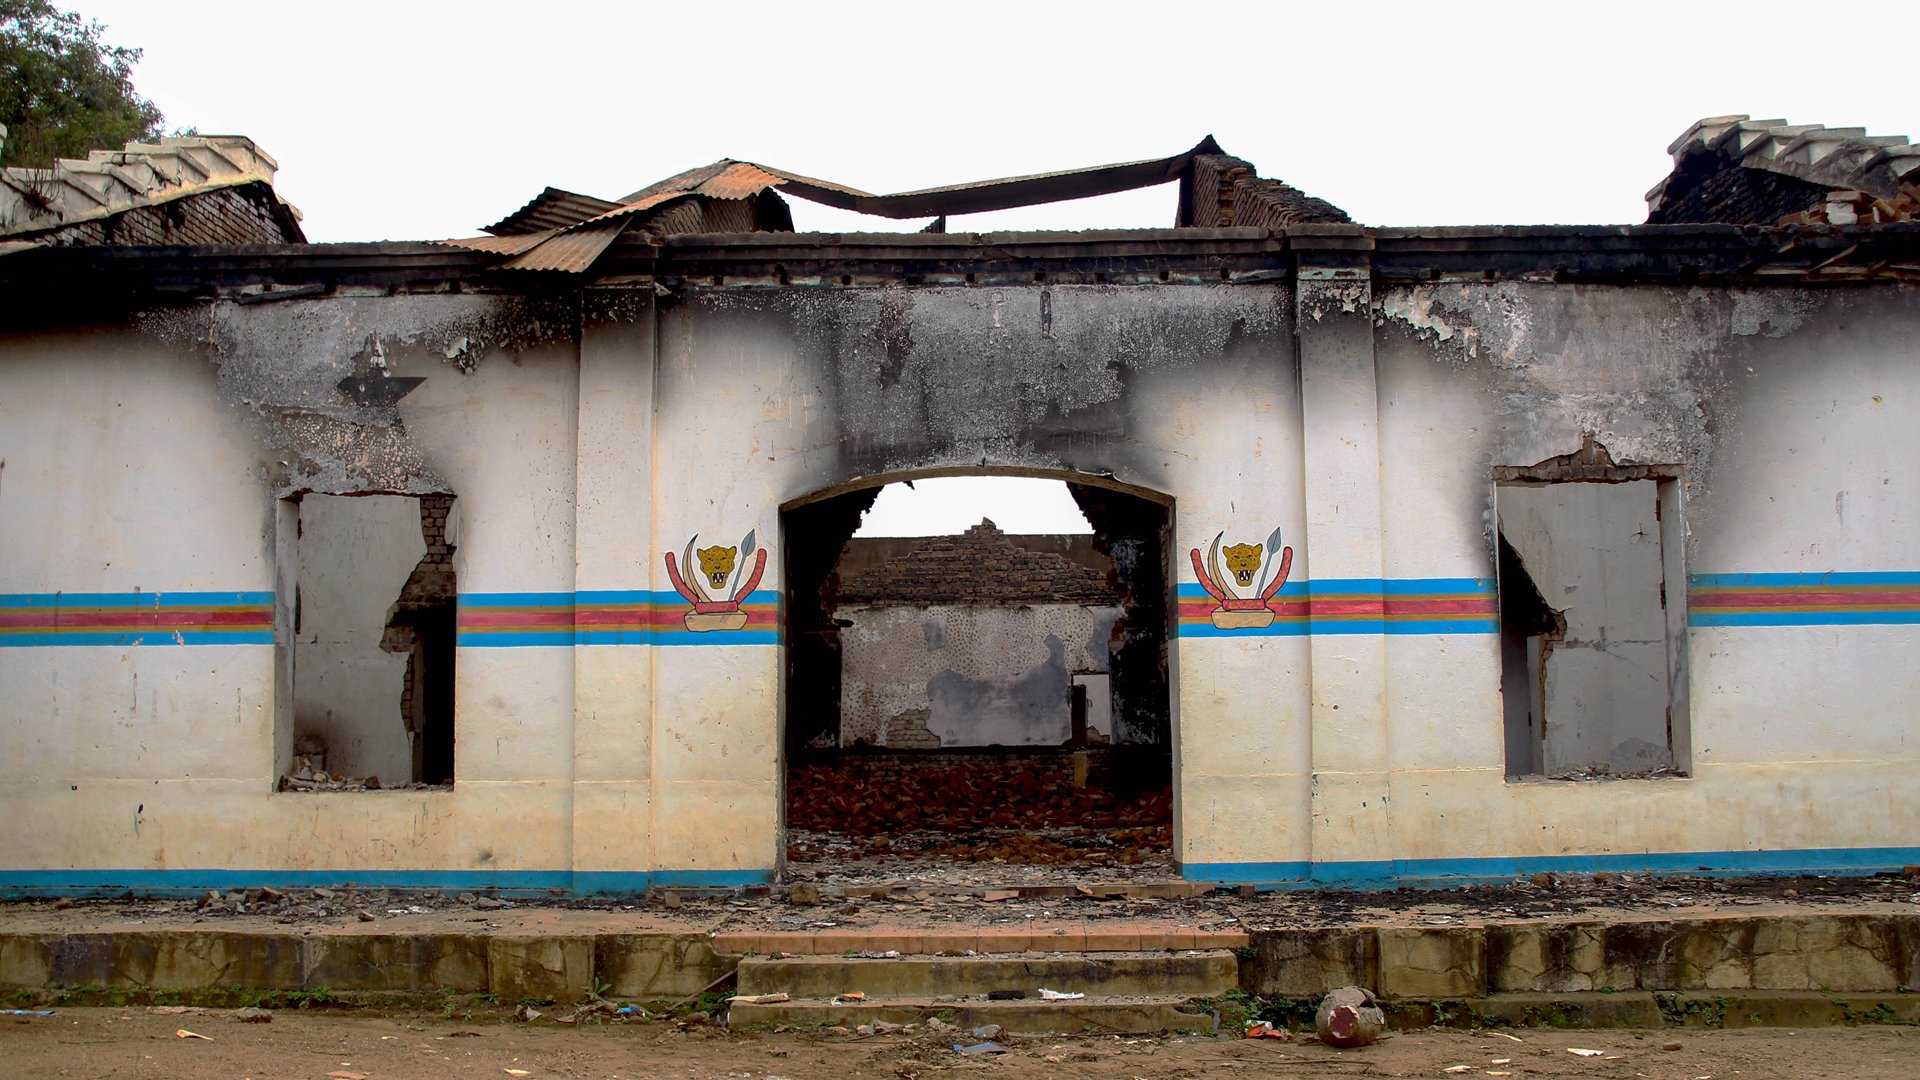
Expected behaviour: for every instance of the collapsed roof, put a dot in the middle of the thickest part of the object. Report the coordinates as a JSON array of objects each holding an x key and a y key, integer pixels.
[
  {"x": 564, "y": 231},
  {"x": 1736, "y": 170},
  {"x": 193, "y": 189}
]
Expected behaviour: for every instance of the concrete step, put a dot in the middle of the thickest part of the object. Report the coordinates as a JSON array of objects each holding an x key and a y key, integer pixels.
[
  {"x": 1121, "y": 1014},
  {"x": 1194, "y": 973}
]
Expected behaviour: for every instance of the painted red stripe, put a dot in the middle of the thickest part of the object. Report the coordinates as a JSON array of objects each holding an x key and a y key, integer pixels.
[
  {"x": 142, "y": 619},
  {"x": 481, "y": 619},
  {"x": 1900, "y": 599},
  {"x": 1452, "y": 605}
]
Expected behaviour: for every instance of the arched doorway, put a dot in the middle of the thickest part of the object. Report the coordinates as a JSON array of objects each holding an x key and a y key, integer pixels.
[{"x": 982, "y": 703}]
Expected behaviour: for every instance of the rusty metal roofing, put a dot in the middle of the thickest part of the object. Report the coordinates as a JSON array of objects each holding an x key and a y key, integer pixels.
[
  {"x": 560, "y": 230},
  {"x": 1007, "y": 192},
  {"x": 571, "y": 251},
  {"x": 730, "y": 179},
  {"x": 551, "y": 209},
  {"x": 503, "y": 245}
]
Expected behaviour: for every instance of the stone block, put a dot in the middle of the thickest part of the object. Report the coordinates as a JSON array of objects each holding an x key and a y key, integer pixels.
[
  {"x": 257, "y": 961},
  {"x": 116, "y": 960},
  {"x": 1422, "y": 962},
  {"x": 1554, "y": 958},
  {"x": 1308, "y": 963},
  {"x": 656, "y": 965},
  {"x": 26, "y": 959},
  {"x": 413, "y": 962},
  {"x": 555, "y": 967},
  {"x": 1628, "y": 1009}
]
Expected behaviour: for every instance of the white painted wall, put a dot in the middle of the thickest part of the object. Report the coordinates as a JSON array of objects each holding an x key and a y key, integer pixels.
[
  {"x": 1594, "y": 552},
  {"x": 355, "y": 555},
  {"x": 141, "y": 459},
  {"x": 983, "y": 675}
]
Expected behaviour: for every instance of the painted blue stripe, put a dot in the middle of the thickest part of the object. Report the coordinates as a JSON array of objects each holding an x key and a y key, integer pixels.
[
  {"x": 135, "y": 599},
  {"x": 195, "y": 881},
  {"x": 517, "y": 599},
  {"x": 1802, "y": 618},
  {"x": 604, "y": 881},
  {"x": 1402, "y": 586},
  {"x": 1388, "y": 872},
  {"x": 145, "y": 639},
  {"x": 561, "y": 638},
  {"x": 569, "y": 638},
  {"x": 1329, "y": 627},
  {"x": 1751, "y": 581},
  {"x": 631, "y": 636},
  {"x": 666, "y": 598},
  {"x": 716, "y": 637},
  {"x": 1189, "y": 590},
  {"x": 620, "y": 596}
]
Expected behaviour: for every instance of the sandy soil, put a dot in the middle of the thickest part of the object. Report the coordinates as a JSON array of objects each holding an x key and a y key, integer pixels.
[{"x": 126, "y": 1044}]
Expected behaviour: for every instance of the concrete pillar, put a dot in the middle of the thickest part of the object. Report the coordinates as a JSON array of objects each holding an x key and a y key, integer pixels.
[
  {"x": 613, "y": 667},
  {"x": 1343, "y": 556}
]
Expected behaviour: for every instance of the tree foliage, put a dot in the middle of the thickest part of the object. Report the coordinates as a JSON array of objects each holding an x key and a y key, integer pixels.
[{"x": 63, "y": 91}]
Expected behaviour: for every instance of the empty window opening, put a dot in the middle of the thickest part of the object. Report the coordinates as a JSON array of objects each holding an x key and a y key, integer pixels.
[
  {"x": 977, "y": 695},
  {"x": 373, "y": 642},
  {"x": 1592, "y": 650}
]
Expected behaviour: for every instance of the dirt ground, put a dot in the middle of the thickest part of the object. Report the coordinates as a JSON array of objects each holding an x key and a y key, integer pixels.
[{"x": 142, "y": 1044}]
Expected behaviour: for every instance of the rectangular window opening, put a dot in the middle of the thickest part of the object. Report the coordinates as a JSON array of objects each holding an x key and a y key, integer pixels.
[
  {"x": 1592, "y": 622},
  {"x": 370, "y": 679}
]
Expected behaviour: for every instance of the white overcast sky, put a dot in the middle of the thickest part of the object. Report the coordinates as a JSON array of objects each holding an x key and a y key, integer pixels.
[{"x": 412, "y": 120}]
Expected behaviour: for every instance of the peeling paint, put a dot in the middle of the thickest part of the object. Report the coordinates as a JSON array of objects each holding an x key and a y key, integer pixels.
[
  {"x": 284, "y": 365},
  {"x": 1771, "y": 313}
]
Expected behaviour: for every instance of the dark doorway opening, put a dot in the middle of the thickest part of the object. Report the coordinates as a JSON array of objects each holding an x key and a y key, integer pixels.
[{"x": 967, "y": 703}]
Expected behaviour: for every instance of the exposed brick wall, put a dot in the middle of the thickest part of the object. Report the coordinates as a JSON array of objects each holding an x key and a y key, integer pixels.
[
  {"x": 1711, "y": 188},
  {"x": 243, "y": 214},
  {"x": 1226, "y": 191},
  {"x": 430, "y": 585},
  {"x": 980, "y": 565}
]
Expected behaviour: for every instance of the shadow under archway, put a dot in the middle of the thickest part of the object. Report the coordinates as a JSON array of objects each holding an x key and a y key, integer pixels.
[{"x": 936, "y": 716}]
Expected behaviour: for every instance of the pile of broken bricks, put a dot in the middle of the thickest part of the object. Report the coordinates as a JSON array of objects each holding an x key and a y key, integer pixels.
[
  {"x": 1860, "y": 208},
  {"x": 1012, "y": 810}
]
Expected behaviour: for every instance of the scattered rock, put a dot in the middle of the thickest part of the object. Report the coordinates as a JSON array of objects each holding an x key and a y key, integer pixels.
[
  {"x": 364, "y": 915},
  {"x": 251, "y": 1015},
  {"x": 670, "y": 900},
  {"x": 804, "y": 893},
  {"x": 63, "y": 903},
  {"x": 1670, "y": 1045},
  {"x": 1349, "y": 1017},
  {"x": 488, "y": 903}
]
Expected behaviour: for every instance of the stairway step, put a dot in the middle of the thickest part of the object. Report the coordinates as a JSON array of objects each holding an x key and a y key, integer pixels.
[
  {"x": 1196, "y": 973},
  {"x": 1120, "y": 1014}
]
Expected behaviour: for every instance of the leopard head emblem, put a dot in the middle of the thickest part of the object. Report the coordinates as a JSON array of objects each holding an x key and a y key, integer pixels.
[
  {"x": 717, "y": 564},
  {"x": 1243, "y": 560}
]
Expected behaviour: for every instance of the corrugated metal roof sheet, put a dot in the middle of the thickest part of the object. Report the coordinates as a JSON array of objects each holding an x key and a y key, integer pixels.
[
  {"x": 1004, "y": 193},
  {"x": 571, "y": 251},
  {"x": 730, "y": 179},
  {"x": 502, "y": 245},
  {"x": 577, "y": 228},
  {"x": 551, "y": 209}
]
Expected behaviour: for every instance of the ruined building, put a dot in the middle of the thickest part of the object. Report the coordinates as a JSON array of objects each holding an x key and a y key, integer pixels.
[{"x": 516, "y": 561}]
